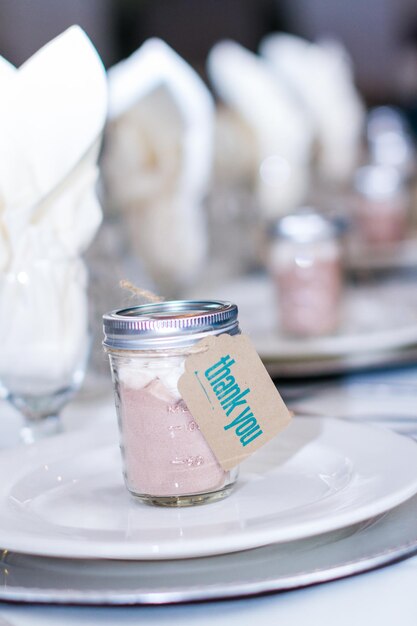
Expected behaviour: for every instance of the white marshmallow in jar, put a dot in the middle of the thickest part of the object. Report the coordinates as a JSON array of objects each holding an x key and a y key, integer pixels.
[
  {"x": 305, "y": 264},
  {"x": 166, "y": 459},
  {"x": 381, "y": 207}
]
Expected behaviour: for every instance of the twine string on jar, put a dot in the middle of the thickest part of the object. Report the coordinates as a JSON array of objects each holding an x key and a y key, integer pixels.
[{"x": 149, "y": 296}]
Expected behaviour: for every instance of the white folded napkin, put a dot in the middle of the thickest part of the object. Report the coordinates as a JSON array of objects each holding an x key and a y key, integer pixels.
[
  {"x": 282, "y": 130},
  {"x": 157, "y": 160},
  {"x": 321, "y": 76},
  {"x": 52, "y": 113}
]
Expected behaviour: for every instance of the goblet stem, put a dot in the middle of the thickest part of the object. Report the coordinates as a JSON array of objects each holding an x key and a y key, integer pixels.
[
  {"x": 41, "y": 412},
  {"x": 35, "y": 429}
]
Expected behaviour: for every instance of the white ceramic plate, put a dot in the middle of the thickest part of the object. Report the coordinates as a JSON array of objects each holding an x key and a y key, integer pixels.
[
  {"x": 279, "y": 567},
  {"x": 376, "y": 319},
  {"x": 322, "y": 366},
  {"x": 401, "y": 255},
  {"x": 65, "y": 496}
]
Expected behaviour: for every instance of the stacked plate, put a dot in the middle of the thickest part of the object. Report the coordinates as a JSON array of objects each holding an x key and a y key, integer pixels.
[
  {"x": 378, "y": 327},
  {"x": 319, "y": 502},
  {"x": 401, "y": 255}
]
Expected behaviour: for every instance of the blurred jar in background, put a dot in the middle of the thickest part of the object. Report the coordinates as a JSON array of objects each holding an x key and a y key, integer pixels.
[
  {"x": 305, "y": 263},
  {"x": 389, "y": 140},
  {"x": 381, "y": 205}
]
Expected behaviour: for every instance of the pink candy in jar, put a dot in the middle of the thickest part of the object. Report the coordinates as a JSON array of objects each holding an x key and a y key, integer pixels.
[
  {"x": 381, "y": 205},
  {"x": 306, "y": 266}
]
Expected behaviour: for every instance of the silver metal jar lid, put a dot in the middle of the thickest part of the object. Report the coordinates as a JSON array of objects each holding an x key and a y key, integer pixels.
[
  {"x": 174, "y": 324},
  {"x": 307, "y": 226}
]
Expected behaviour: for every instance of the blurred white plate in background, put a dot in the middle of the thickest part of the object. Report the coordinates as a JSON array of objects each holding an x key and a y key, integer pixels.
[
  {"x": 377, "y": 317},
  {"x": 401, "y": 255}
]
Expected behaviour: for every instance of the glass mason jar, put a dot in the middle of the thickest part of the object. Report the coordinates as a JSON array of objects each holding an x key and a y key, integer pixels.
[
  {"x": 381, "y": 205},
  {"x": 166, "y": 458},
  {"x": 305, "y": 262}
]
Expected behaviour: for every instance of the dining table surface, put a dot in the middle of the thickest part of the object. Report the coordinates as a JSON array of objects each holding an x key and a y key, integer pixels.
[{"x": 384, "y": 596}]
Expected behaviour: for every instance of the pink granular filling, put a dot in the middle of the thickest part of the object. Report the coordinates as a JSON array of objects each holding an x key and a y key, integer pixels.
[
  {"x": 309, "y": 298},
  {"x": 165, "y": 453}
]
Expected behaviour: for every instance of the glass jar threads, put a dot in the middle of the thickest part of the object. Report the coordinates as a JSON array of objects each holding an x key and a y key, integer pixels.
[
  {"x": 305, "y": 262},
  {"x": 166, "y": 459}
]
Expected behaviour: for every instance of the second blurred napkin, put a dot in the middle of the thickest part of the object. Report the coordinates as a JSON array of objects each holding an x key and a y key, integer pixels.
[{"x": 157, "y": 160}]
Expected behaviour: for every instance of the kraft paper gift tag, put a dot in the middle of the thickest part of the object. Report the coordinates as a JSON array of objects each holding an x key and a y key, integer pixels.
[{"x": 232, "y": 398}]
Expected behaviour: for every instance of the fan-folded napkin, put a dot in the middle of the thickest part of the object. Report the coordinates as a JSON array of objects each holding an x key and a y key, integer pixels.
[
  {"x": 157, "y": 160},
  {"x": 282, "y": 132},
  {"x": 52, "y": 113}
]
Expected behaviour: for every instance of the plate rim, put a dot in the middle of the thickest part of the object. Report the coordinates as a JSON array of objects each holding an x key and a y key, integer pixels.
[
  {"x": 64, "y": 547},
  {"x": 341, "y": 568}
]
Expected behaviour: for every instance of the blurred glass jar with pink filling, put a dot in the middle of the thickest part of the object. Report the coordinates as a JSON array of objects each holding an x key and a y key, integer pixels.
[
  {"x": 381, "y": 207},
  {"x": 305, "y": 263}
]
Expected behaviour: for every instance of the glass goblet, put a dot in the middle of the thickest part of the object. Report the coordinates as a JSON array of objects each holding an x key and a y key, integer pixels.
[{"x": 44, "y": 334}]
